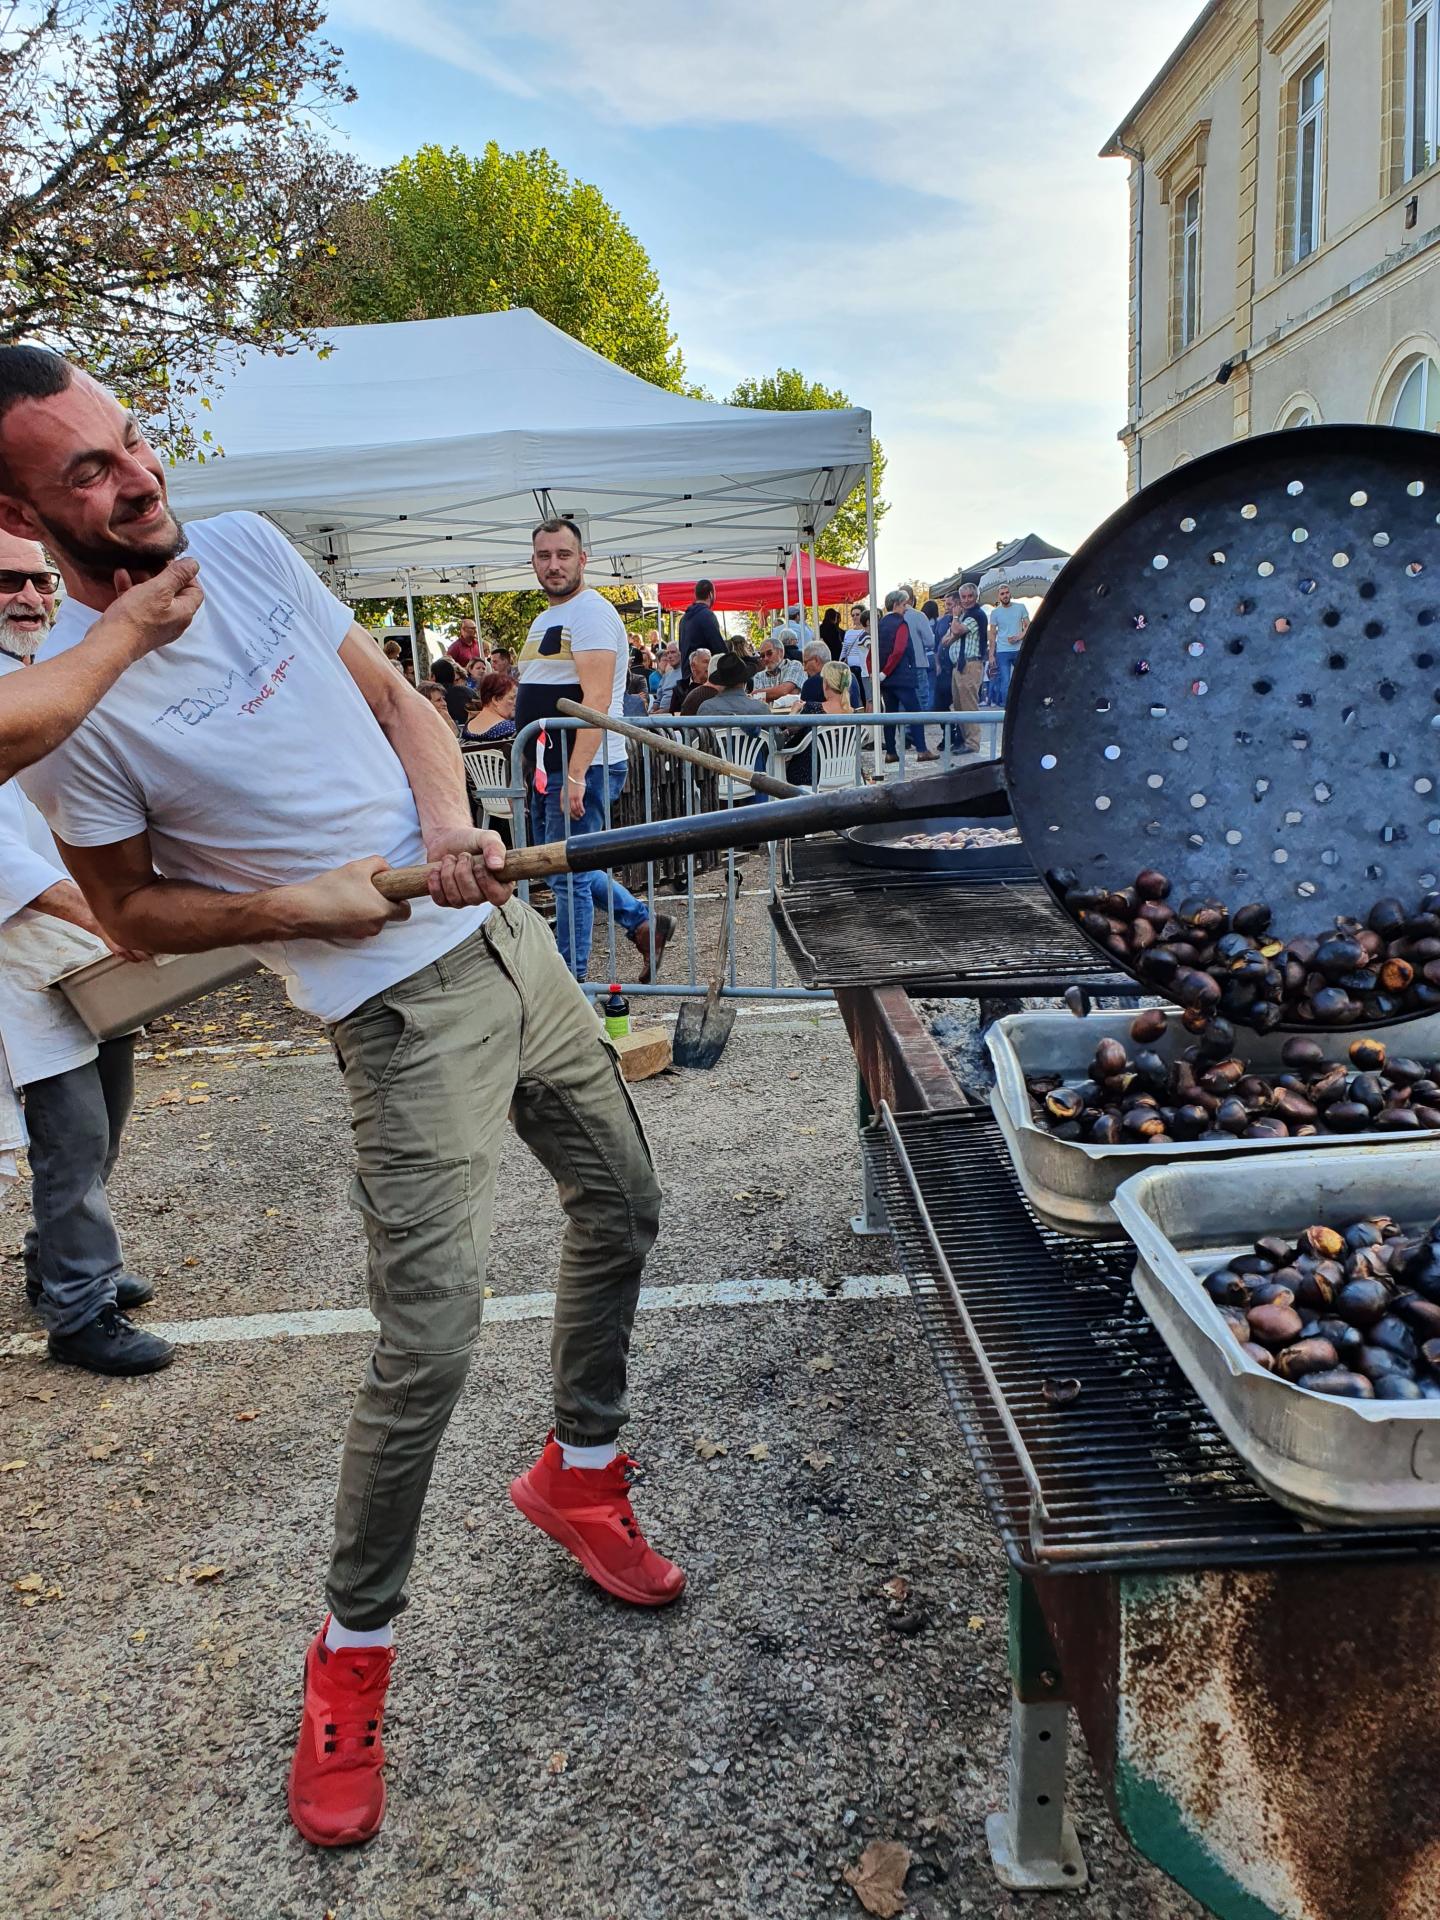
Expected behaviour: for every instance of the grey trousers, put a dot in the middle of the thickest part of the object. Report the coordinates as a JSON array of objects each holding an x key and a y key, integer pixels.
[
  {"x": 75, "y": 1121},
  {"x": 434, "y": 1067}
]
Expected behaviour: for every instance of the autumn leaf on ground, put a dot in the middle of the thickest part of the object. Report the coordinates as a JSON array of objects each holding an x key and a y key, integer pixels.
[
  {"x": 42, "y": 1393},
  {"x": 822, "y": 1363},
  {"x": 28, "y": 1583},
  {"x": 708, "y": 1449},
  {"x": 557, "y": 1762},
  {"x": 818, "y": 1460},
  {"x": 102, "y": 1450},
  {"x": 249, "y": 1413},
  {"x": 198, "y": 1575},
  {"x": 897, "y": 1589},
  {"x": 975, "y": 1622},
  {"x": 197, "y": 1099},
  {"x": 12, "y": 1466},
  {"x": 829, "y": 1402},
  {"x": 878, "y": 1877},
  {"x": 759, "y": 1451}
]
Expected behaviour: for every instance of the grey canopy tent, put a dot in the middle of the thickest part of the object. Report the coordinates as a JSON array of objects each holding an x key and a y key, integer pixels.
[{"x": 1026, "y": 566}]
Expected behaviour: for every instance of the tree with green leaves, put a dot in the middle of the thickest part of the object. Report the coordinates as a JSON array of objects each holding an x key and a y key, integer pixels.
[
  {"x": 788, "y": 391},
  {"x": 445, "y": 233},
  {"x": 160, "y": 166}
]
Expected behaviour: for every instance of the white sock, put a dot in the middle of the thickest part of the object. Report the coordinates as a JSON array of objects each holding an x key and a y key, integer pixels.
[
  {"x": 337, "y": 1636},
  {"x": 591, "y": 1457}
]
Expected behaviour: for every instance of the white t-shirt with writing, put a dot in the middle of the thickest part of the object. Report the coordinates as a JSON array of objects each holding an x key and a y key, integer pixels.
[
  {"x": 586, "y": 624},
  {"x": 250, "y": 755}
]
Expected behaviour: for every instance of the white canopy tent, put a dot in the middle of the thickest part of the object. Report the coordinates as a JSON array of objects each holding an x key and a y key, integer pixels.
[{"x": 415, "y": 457}]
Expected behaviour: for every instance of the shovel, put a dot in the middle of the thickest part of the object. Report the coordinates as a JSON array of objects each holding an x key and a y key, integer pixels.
[
  {"x": 956, "y": 793},
  {"x": 705, "y": 1026}
]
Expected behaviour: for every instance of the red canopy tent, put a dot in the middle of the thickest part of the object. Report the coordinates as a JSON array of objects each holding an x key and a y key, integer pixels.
[{"x": 835, "y": 587}]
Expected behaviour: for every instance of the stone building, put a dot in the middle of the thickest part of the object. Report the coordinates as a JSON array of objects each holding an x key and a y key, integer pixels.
[{"x": 1284, "y": 225}]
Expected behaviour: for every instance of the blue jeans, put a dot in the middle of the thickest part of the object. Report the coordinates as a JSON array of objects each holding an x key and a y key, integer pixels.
[
  {"x": 578, "y": 895},
  {"x": 924, "y": 701},
  {"x": 901, "y": 699},
  {"x": 1004, "y": 667}
]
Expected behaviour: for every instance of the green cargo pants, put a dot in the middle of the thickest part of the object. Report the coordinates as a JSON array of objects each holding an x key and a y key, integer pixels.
[{"x": 433, "y": 1067}]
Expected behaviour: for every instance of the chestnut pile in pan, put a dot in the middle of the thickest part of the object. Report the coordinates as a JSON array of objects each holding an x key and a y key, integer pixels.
[
  {"x": 1230, "y": 961},
  {"x": 1350, "y": 1311},
  {"x": 1131, "y": 1097}
]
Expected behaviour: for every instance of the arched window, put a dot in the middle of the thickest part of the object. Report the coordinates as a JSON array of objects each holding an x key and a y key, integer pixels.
[
  {"x": 1413, "y": 396},
  {"x": 1298, "y": 417}
]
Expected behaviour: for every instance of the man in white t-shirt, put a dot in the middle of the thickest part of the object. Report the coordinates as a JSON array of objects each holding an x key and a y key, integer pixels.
[
  {"x": 77, "y": 1091},
  {"x": 578, "y": 650},
  {"x": 216, "y": 797},
  {"x": 1008, "y": 623}
]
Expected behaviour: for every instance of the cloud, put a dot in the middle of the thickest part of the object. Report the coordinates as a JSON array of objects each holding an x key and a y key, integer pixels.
[{"x": 984, "y": 323}]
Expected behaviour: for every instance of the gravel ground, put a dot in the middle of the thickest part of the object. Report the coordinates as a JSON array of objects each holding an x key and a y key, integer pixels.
[{"x": 554, "y": 1756}]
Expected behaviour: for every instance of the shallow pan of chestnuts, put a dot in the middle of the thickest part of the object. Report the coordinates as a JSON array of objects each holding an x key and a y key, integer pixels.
[
  {"x": 1084, "y": 1104},
  {"x": 1303, "y": 1305}
]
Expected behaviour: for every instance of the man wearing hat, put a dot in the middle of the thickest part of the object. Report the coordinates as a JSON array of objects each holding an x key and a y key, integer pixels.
[{"x": 732, "y": 676}]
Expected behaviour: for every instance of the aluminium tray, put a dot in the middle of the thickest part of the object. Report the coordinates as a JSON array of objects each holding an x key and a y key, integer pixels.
[
  {"x": 114, "y": 996},
  {"x": 1071, "y": 1183},
  {"x": 1347, "y": 1463}
]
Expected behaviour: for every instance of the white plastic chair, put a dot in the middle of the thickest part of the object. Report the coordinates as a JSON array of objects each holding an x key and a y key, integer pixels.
[
  {"x": 837, "y": 750},
  {"x": 745, "y": 749},
  {"x": 489, "y": 767}
]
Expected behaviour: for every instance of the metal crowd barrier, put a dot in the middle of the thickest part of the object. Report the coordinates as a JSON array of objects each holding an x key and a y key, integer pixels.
[{"x": 681, "y": 789}]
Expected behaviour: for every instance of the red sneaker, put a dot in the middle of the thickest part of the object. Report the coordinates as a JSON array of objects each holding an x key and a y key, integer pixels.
[
  {"x": 588, "y": 1511},
  {"x": 337, "y": 1793}
]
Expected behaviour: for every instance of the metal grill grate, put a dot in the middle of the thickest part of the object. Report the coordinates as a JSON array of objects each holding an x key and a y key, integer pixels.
[
  {"x": 846, "y": 926},
  {"x": 1133, "y": 1474}
]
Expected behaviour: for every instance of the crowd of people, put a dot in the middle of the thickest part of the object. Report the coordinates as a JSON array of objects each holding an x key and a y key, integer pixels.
[{"x": 934, "y": 659}]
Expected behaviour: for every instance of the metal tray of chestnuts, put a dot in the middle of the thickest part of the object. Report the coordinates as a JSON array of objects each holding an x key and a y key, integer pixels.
[
  {"x": 1300, "y": 1297},
  {"x": 1085, "y": 1104},
  {"x": 1222, "y": 742}
]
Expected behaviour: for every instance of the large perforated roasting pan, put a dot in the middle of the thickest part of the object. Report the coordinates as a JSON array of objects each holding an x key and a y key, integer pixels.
[{"x": 1236, "y": 679}]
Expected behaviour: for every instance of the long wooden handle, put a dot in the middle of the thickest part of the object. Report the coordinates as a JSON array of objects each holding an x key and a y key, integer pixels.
[
  {"x": 682, "y": 750},
  {"x": 750, "y": 826}
]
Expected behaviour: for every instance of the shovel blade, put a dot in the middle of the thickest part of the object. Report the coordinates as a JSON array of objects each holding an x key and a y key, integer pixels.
[{"x": 701, "y": 1032}]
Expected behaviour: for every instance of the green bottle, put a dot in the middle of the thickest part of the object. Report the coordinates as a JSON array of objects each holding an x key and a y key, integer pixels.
[{"x": 617, "y": 1012}]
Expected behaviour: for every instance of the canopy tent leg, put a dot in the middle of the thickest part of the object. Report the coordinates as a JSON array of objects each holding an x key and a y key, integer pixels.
[
  {"x": 877, "y": 705},
  {"x": 475, "y": 607},
  {"x": 814, "y": 593},
  {"x": 419, "y": 653}
]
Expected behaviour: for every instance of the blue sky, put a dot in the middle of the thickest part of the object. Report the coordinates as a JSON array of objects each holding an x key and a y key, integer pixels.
[{"x": 900, "y": 197}]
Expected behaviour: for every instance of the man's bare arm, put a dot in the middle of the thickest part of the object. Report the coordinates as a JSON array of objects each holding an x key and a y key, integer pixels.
[
  {"x": 425, "y": 746},
  {"x": 139, "y": 911},
  {"x": 43, "y": 706}
]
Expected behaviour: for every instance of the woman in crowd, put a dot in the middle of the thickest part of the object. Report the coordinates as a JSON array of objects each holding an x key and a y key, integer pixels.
[
  {"x": 636, "y": 703},
  {"x": 836, "y": 687},
  {"x": 435, "y": 694},
  {"x": 832, "y": 633},
  {"x": 492, "y": 722},
  {"x": 855, "y": 651}
]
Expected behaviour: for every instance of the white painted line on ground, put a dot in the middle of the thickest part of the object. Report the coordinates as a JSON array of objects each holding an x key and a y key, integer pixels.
[{"x": 764, "y": 1291}]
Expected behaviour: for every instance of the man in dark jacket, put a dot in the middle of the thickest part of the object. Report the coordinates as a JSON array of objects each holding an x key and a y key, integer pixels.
[
  {"x": 699, "y": 628},
  {"x": 899, "y": 675}
]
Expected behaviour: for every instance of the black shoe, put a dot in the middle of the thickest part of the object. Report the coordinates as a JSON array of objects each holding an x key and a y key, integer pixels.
[
  {"x": 112, "y": 1344},
  {"x": 130, "y": 1291}
]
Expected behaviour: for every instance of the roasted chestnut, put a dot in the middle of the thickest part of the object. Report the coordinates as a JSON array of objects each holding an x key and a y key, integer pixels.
[
  {"x": 1395, "y": 1386},
  {"x": 1306, "y": 1356},
  {"x": 1149, "y": 1024},
  {"x": 1109, "y": 1058},
  {"x": 1304, "y": 1054},
  {"x": 1274, "y": 1326},
  {"x": 1321, "y": 1243},
  {"x": 1340, "y": 1385},
  {"x": 1368, "y": 1055},
  {"x": 1362, "y": 1302},
  {"x": 1152, "y": 885}
]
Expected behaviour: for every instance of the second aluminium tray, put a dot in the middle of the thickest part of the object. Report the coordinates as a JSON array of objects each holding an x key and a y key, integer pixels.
[{"x": 1337, "y": 1462}]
